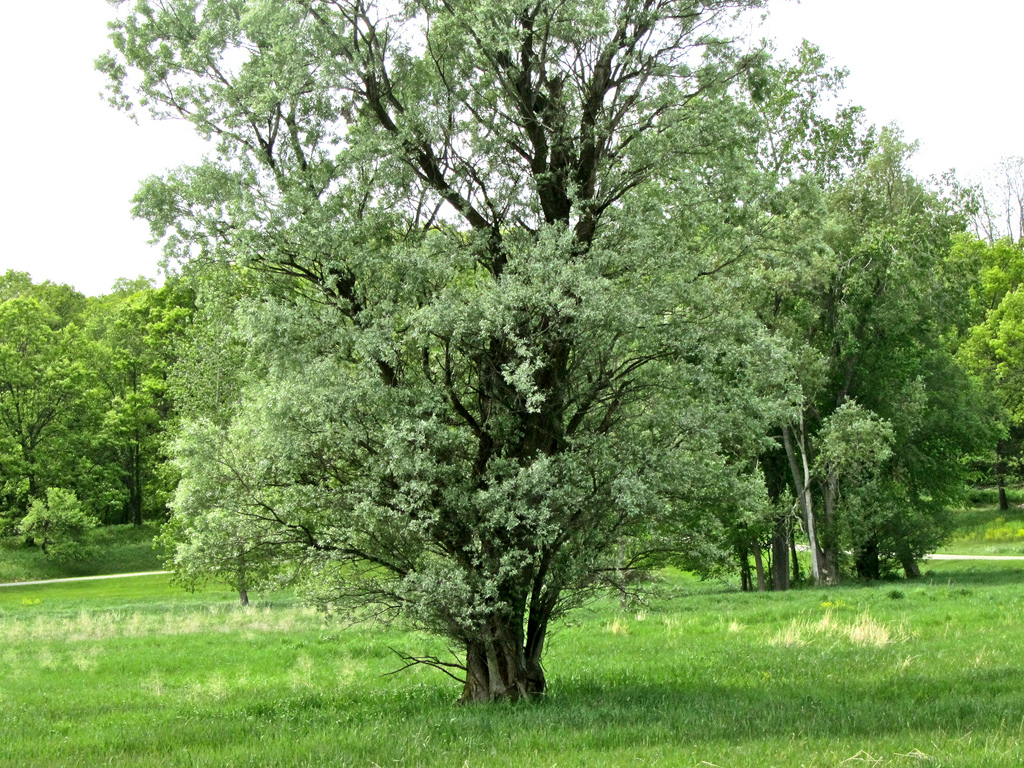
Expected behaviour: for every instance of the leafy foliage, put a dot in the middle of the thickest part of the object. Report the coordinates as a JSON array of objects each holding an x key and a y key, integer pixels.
[
  {"x": 496, "y": 334},
  {"x": 497, "y": 305},
  {"x": 83, "y": 400},
  {"x": 43, "y": 400},
  {"x": 59, "y": 524},
  {"x": 871, "y": 321}
]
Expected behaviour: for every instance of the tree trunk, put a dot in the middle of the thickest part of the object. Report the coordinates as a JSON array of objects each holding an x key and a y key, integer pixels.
[
  {"x": 744, "y": 560},
  {"x": 498, "y": 667},
  {"x": 802, "y": 482},
  {"x": 868, "y": 563},
  {"x": 623, "y": 594},
  {"x": 243, "y": 596},
  {"x": 797, "y": 575},
  {"x": 910, "y": 567},
  {"x": 136, "y": 490},
  {"x": 829, "y": 539},
  {"x": 759, "y": 567},
  {"x": 781, "y": 535}
]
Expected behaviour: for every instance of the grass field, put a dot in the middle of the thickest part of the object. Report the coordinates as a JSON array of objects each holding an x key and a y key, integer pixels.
[{"x": 132, "y": 672}]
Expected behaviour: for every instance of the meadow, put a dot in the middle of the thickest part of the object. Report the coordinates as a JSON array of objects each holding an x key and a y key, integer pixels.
[
  {"x": 132, "y": 672},
  {"x": 135, "y": 672}
]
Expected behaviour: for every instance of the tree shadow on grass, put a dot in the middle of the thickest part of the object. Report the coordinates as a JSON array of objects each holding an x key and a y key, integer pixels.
[
  {"x": 586, "y": 713},
  {"x": 973, "y": 573}
]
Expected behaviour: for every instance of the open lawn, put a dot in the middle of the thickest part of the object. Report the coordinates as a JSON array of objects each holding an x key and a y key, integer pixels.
[{"x": 132, "y": 672}]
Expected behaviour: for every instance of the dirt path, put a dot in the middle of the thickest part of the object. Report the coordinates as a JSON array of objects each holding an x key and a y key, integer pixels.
[
  {"x": 974, "y": 557},
  {"x": 83, "y": 578}
]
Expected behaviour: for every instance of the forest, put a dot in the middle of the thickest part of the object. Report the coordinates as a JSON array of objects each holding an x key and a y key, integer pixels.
[{"x": 476, "y": 311}]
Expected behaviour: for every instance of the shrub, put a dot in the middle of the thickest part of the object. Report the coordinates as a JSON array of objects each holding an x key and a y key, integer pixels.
[{"x": 58, "y": 524}]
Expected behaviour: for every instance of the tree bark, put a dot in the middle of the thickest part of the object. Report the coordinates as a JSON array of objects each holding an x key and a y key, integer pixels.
[
  {"x": 133, "y": 480},
  {"x": 745, "y": 580},
  {"x": 623, "y": 594},
  {"x": 828, "y": 538},
  {"x": 781, "y": 535},
  {"x": 759, "y": 567},
  {"x": 910, "y": 567},
  {"x": 498, "y": 667},
  {"x": 802, "y": 483}
]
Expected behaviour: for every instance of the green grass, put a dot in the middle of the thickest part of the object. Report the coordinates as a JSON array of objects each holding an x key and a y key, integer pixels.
[
  {"x": 923, "y": 673},
  {"x": 150, "y": 593},
  {"x": 985, "y": 530},
  {"x": 118, "y": 549}
]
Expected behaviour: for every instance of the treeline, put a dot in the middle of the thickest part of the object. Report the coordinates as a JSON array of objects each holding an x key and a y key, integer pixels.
[
  {"x": 907, "y": 340},
  {"x": 84, "y": 400},
  {"x": 896, "y": 307},
  {"x": 902, "y": 343}
]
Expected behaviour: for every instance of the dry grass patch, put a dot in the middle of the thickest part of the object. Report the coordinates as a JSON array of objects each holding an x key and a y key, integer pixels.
[
  {"x": 301, "y": 675},
  {"x": 617, "y": 627},
  {"x": 863, "y": 630}
]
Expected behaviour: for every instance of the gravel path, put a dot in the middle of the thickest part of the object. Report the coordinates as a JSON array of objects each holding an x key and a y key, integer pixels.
[
  {"x": 84, "y": 578},
  {"x": 157, "y": 573}
]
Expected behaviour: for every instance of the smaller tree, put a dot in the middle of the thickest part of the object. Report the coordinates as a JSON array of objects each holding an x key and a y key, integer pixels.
[
  {"x": 874, "y": 322},
  {"x": 230, "y": 541},
  {"x": 59, "y": 524}
]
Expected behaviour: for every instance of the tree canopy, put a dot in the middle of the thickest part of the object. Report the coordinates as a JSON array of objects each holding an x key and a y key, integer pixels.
[{"x": 497, "y": 335}]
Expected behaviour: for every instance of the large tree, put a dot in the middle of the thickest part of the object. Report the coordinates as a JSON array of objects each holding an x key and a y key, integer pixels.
[{"x": 497, "y": 337}]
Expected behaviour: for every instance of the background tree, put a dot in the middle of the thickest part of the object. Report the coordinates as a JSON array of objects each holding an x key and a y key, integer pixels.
[
  {"x": 83, "y": 401},
  {"x": 43, "y": 401},
  {"x": 137, "y": 329},
  {"x": 498, "y": 248},
  {"x": 992, "y": 350},
  {"x": 999, "y": 202},
  {"x": 872, "y": 323},
  {"x": 807, "y": 139},
  {"x": 65, "y": 303}
]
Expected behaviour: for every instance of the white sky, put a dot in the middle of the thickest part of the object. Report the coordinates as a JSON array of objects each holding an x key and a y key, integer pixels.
[{"x": 948, "y": 72}]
